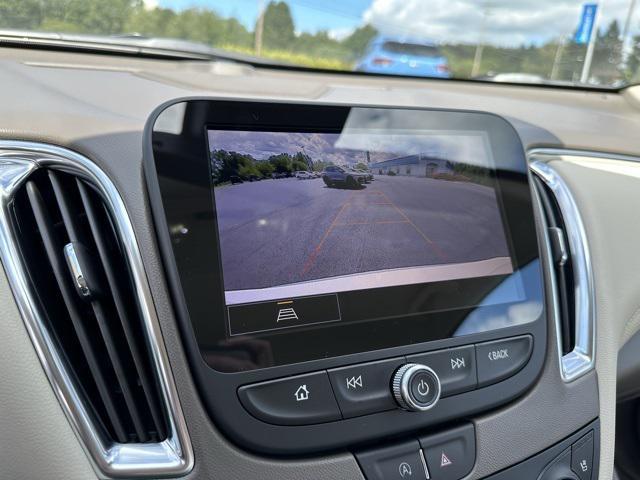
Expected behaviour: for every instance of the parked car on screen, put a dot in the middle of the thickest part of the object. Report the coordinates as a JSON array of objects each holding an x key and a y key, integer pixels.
[
  {"x": 369, "y": 175},
  {"x": 404, "y": 56},
  {"x": 303, "y": 175},
  {"x": 334, "y": 176}
]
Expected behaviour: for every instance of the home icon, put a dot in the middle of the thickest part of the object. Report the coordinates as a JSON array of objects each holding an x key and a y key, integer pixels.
[{"x": 302, "y": 393}]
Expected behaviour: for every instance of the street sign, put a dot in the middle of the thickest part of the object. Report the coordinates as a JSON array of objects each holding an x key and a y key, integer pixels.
[{"x": 587, "y": 22}]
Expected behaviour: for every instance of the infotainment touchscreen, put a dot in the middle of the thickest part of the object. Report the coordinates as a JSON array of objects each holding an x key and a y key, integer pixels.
[
  {"x": 302, "y": 232},
  {"x": 305, "y": 216}
]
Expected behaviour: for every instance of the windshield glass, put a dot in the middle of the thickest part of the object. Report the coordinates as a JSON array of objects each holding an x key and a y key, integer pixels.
[{"x": 566, "y": 42}]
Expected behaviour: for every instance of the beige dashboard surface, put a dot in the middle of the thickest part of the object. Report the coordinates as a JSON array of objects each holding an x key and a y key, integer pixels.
[
  {"x": 36, "y": 441},
  {"x": 607, "y": 194},
  {"x": 98, "y": 105}
]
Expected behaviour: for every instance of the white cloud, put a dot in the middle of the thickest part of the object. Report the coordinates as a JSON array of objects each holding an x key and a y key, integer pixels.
[
  {"x": 499, "y": 22},
  {"x": 150, "y": 4},
  {"x": 340, "y": 33}
]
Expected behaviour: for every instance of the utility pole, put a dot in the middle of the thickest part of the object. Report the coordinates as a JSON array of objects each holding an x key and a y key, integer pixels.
[
  {"x": 257, "y": 46},
  {"x": 477, "y": 58},
  {"x": 586, "y": 67},
  {"x": 557, "y": 59}
]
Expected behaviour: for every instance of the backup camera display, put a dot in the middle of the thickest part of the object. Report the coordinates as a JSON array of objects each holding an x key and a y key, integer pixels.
[{"x": 313, "y": 214}]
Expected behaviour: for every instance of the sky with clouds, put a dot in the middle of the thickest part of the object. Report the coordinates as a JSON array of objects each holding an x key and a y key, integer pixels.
[
  {"x": 500, "y": 22},
  {"x": 261, "y": 145},
  {"x": 350, "y": 148}
]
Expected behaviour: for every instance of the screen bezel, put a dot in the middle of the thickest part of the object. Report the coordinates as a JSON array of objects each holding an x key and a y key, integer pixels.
[
  {"x": 199, "y": 250},
  {"x": 218, "y": 390}
]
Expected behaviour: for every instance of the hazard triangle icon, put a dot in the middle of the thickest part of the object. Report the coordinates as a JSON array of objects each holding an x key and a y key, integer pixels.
[{"x": 444, "y": 461}]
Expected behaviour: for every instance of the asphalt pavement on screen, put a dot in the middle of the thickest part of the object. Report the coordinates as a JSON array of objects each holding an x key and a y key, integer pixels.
[{"x": 276, "y": 232}]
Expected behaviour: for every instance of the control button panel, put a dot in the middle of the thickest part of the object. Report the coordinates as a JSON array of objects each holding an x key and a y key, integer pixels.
[
  {"x": 300, "y": 400},
  {"x": 500, "y": 359},
  {"x": 456, "y": 368},
  {"x": 364, "y": 388},
  {"x": 582, "y": 457},
  {"x": 414, "y": 383},
  {"x": 398, "y": 462},
  {"x": 450, "y": 455}
]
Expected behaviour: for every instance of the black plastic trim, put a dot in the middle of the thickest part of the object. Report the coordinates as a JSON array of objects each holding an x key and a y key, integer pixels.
[
  {"x": 218, "y": 390},
  {"x": 535, "y": 465}
]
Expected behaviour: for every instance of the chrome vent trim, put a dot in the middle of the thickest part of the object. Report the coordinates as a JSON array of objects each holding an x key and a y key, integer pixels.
[
  {"x": 582, "y": 358},
  {"x": 173, "y": 456}
]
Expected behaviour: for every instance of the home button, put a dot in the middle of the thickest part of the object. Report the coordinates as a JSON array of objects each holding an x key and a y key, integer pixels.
[{"x": 300, "y": 400}]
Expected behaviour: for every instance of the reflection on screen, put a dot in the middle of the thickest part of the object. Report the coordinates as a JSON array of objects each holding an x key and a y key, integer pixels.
[{"x": 304, "y": 214}]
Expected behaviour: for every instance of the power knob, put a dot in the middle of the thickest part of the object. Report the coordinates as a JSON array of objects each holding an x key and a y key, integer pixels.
[{"x": 416, "y": 387}]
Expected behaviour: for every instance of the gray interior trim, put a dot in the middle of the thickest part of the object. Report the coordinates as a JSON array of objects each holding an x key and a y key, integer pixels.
[
  {"x": 174, "y": 456},
  {"x": 546, "y": 154},
  {"x": 582, "y": 358},
  {"x": 549, "y": 412}
]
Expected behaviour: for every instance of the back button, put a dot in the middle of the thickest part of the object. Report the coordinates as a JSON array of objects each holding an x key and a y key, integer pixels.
[{"x": 501, "y": 359}]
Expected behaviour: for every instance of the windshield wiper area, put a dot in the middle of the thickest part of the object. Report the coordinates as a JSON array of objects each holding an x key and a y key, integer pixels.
[{"x": 123, "y": 44}]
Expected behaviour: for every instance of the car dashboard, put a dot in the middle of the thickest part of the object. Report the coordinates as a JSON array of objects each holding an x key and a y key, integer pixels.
[{"x": 162, "y": 316}]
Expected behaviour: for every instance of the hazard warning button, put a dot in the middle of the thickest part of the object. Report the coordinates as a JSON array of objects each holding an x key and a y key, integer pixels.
[{"x": 451, "y": 454}]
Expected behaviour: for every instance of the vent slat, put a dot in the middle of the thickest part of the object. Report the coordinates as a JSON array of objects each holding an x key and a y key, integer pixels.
[
  {"x": 65, "y": 211},
  {"x": 125, "y": 382},
  {"x": 563, "y": 270},
  {"x": 113, "y": 274},
  {"x": 78, "y": 269},
  {"x": 54, "y": 250}
]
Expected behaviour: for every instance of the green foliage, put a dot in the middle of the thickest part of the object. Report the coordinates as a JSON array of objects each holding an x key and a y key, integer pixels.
[
  {"x": 281, "y": 162},
  {"x": 359, "y": 40},
  {"x": 227, "y": 164},
  {"x": 286, "y": 163},
  {"x": 633, "y": 62},
  {"x": 361, "y": 166},
  {"x": 607, "y": 56},
  {"x": 560, "y": 59},
  {"x": 89, "y": 16},
  {"x": 278, "y": 26},
  {"x": 20, "y": 14},
  {"x": 193, "y": 24},
  {"x": 320, "y": 165},
  {"x": 265, "y": 169}
]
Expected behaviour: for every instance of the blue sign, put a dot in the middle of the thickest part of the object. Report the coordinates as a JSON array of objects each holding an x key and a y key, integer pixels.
[{"x": 587, "y": 21}]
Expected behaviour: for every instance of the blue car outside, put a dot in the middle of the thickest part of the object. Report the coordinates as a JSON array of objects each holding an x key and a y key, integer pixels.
[{"x": 396, "y": 56}]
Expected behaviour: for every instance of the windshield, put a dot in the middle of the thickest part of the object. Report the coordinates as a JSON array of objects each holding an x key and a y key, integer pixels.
[{"x": 564, "y": 42}]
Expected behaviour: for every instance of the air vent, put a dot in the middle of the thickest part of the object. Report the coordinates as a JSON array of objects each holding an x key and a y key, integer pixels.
[
  {"x": 562, "y": 265},
  {"x": 571, "y": 285},
  {"x": 70, "y": 256},
  {"x": 79, "y": 272}
]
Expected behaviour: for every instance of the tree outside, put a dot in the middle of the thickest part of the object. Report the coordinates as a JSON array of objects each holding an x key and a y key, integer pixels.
[{"x": 559, "y": 59}]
